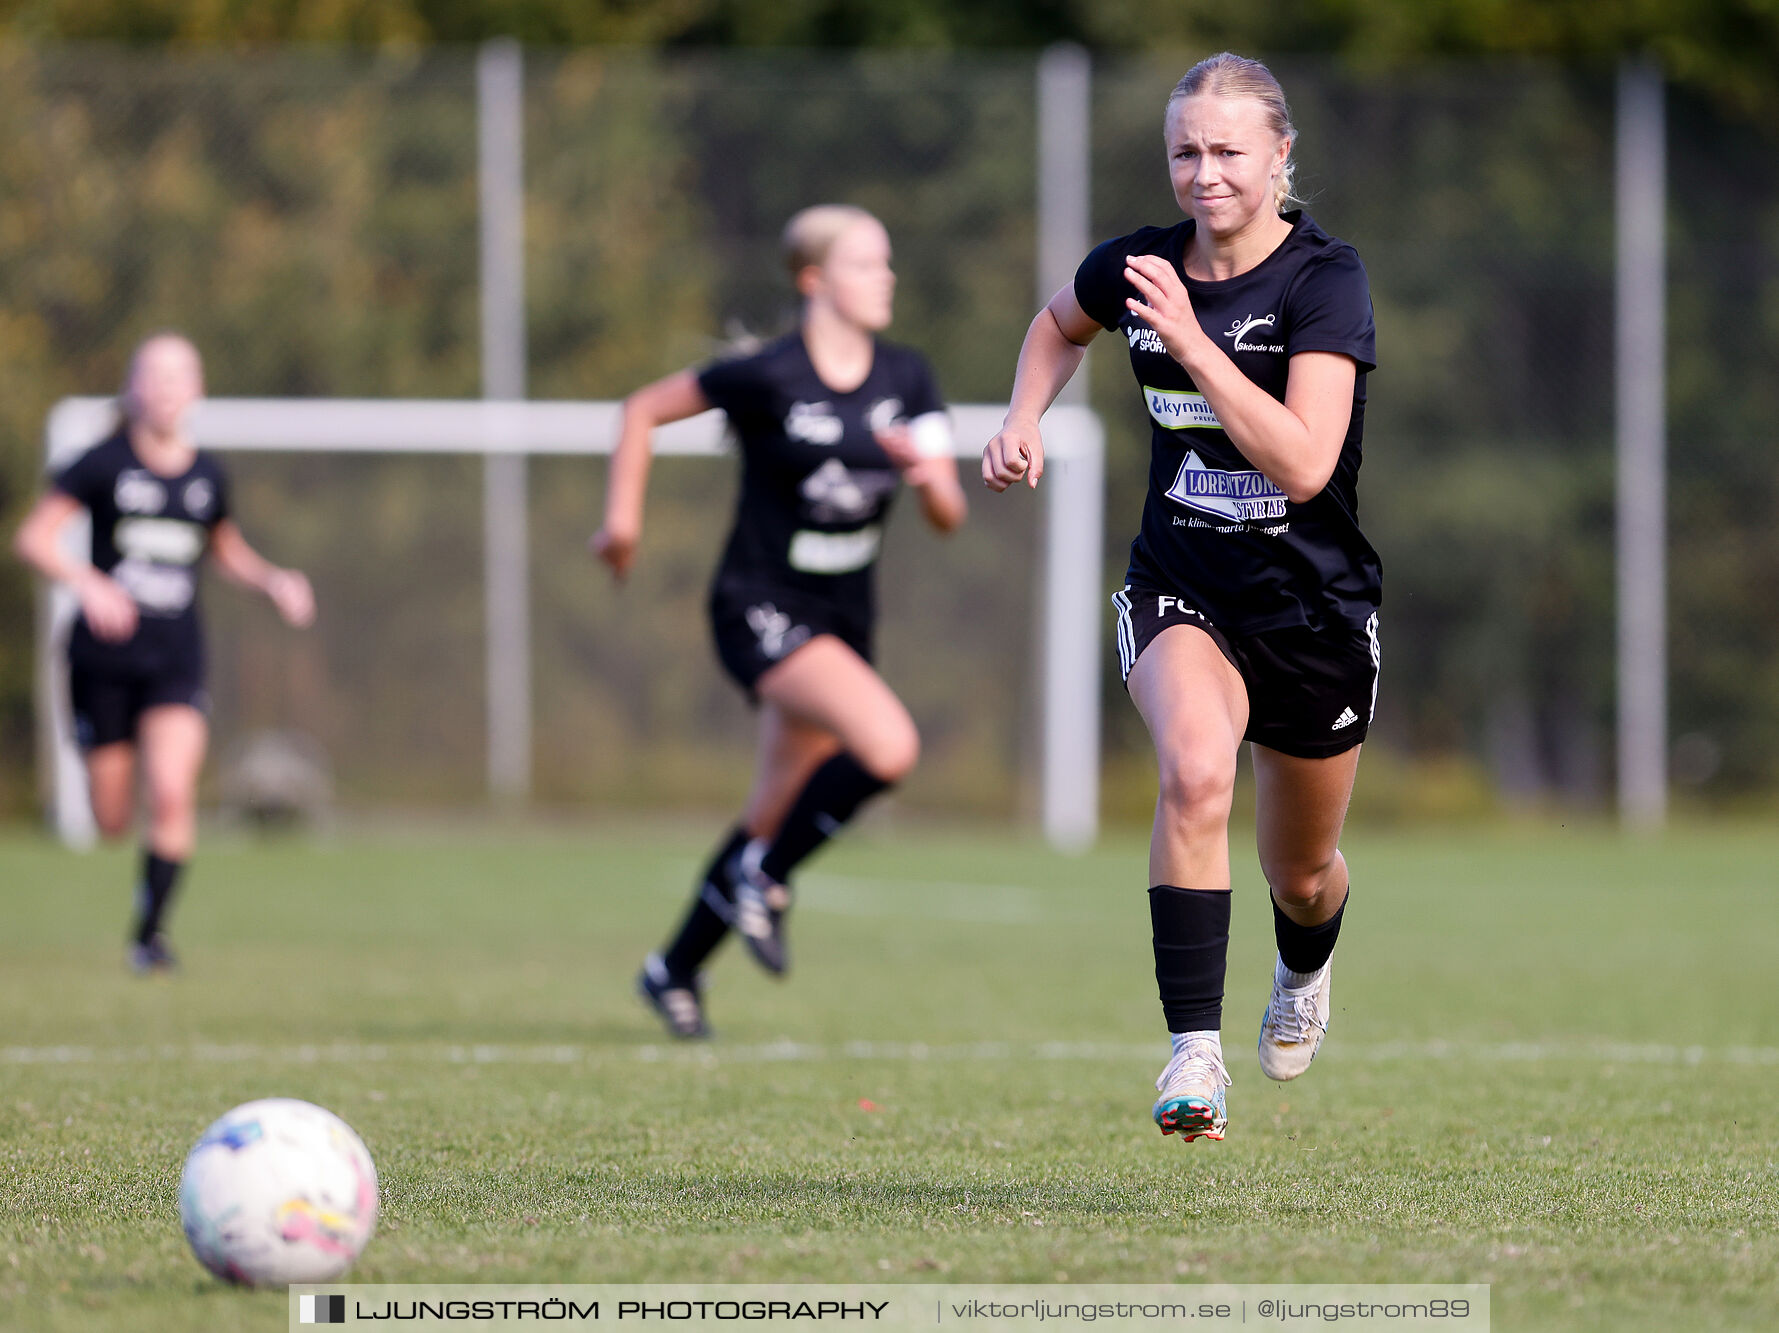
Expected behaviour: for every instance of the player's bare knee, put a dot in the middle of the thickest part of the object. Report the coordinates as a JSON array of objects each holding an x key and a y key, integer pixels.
[
  {"x": 1196, "y": 789},
  {"x": 113, "y": 821},
  {"x": 1295, "y": 892},
  {"x": 172, "y": 813},
  {"x": 1298, "y": 884},
  {"x": 892, "y": 755},
  {"x": 175, "y": 842}
]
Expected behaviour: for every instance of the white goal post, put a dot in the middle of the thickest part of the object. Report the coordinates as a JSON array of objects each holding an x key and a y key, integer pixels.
[{"x": 1071, "y": 601}]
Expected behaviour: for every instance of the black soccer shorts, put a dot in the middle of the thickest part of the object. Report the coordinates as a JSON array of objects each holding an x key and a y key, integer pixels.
[
  {"x": 1311, "y": 693},
  {"x": 108, "y": 704},
  {"x": 756, "y": 629}
]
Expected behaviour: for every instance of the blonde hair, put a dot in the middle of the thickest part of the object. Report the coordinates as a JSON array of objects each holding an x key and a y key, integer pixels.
[
  {"x": 135, "y": 361},
  {"x": 1229, "y": 75},
  {"x": 811, "y": 233},
  {"x": 124, "y": 405}
]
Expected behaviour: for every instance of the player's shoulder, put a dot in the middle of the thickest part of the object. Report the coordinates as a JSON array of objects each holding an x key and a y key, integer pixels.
[
  {"x": 113, "y": 449},
  {"x": 784, "y": 351},
  {"x": 755, "y": 362},
  {"x": 1145, "y": 241},
  {"x": 209, "y": 465},
  {"x": 1322, "y": 268},
  {"x": 1100, "y": 284},
  {"x": 1315, "y": 247},
  {"x": 111, "y": 453},
  {"x": 1152, "y": 240},
  {"x": 901, "y": 359}
]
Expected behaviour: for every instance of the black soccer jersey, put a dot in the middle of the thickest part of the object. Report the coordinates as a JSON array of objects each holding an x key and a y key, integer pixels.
[
  {"x": 816, "y": 486},
  {"x": 1215, "y": 529},
  {"x": 149, "y": 533}
]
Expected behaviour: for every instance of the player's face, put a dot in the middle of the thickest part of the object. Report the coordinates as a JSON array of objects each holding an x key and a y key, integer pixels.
[
  {"x": 1223, "y": 158},
  {"x": 167, "y": 378},
  {"x": 857, "y": 276}
]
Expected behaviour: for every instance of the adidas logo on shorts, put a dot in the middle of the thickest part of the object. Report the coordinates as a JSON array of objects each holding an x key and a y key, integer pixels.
[{"x": 1346, "y": 719}]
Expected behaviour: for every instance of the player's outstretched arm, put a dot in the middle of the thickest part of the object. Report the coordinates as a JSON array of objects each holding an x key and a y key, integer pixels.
[
  {"x": 922, "y": 449},
  {"x": 1051, "y": 354},
  {"x": 671, "y": 399},
  {"x": 110, "y": 611},
  {"x": 287, "y": 589},
  {"x": 942, "y": 499}
]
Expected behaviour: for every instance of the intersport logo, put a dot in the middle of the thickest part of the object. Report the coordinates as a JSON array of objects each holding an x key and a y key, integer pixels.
[{"x": 1143, "y": 338}]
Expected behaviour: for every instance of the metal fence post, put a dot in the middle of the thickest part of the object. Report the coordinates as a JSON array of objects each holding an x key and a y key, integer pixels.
[
  {"x": 1642, "y": 571},
  {"x": 1074, "y": 489},
  {"x": 500, "y": 76},
  {"x": 68, "y": 431}
]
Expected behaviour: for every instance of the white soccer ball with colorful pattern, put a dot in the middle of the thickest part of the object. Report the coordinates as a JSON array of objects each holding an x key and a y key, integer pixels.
[{"x": 278, "y": 1191}]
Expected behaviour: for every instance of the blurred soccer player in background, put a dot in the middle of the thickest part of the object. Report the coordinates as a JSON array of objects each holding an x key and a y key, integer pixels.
[
  {"x": 136, "y": 668},
  {"x": 831, "y": 420}
]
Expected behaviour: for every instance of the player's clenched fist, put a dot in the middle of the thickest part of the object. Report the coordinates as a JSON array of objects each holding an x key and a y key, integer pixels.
[
  {"x": 110, "y": 611},
  {"x": 292, "y": 594},
  {"x": 1165, "y": 306},
  {"x": 616, "y": 547},
  {"x": 1018, "y": 451}
]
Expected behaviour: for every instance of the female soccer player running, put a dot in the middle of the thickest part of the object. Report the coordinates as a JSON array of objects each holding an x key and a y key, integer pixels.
[
  {"x": 1250, "y": 607},
  {"x": 136, "y": 655},
  {"x": 831, "y": 419}
]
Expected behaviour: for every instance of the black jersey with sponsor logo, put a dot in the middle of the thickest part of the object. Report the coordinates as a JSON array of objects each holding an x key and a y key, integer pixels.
[
  {"x": 149, "y": 533},
  {"x": 1214, "y": 528},
  {"x": 816, "y": 486}
]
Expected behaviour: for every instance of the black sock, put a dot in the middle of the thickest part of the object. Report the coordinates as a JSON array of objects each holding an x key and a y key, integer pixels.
[
  {"x": 832, "y": 796},
  {"x": 1305, "y": 948},
  {"x": 705, "y": 923},
  {"x": 1191, "y": 954},
  {"x": 154, "y": 893}
]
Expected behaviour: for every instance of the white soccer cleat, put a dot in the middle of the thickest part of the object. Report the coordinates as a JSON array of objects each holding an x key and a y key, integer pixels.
[
  {"x": 759, "y": 908},
  {"x": 1191, "y": 1087},
  {"x": 1295, "y": 1021},
  {"x": 678, "y": 1002}
]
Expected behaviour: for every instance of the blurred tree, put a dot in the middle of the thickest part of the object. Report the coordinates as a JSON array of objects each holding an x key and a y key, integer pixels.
[
  {"x": 329, "y": 196},
  {"x": 1729, "y": 47}
]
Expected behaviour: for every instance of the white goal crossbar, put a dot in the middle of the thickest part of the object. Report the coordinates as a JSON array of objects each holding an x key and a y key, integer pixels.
[{"x": 1069, "y": 635}]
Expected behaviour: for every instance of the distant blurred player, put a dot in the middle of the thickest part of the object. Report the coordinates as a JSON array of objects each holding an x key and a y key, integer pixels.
[
  {"x": 831, "y": 420},
  {"x": 136, "y": 655},
  {"x": 1250, "y": 606}
]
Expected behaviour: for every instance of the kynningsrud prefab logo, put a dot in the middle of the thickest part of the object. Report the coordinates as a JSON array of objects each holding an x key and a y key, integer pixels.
[
  {"x": 1180, "y": 411},
  {"x": 321, "y": 1309}
]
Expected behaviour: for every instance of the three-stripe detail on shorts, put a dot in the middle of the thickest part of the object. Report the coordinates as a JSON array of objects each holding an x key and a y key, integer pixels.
[
  {"x": 1127, "y": 635},
  {"x": 1377, "y": 664}
]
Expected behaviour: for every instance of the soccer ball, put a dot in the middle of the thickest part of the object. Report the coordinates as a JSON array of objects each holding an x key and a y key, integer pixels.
[{"x": 278, "y": 1191}]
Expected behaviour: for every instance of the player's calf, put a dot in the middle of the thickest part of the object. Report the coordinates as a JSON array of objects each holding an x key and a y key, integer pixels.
[{"x": 1297, "y": 1014}]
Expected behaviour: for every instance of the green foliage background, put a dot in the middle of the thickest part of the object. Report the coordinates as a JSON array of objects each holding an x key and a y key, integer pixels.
[
  {"x": 294, "y": 185},
  {"x": 953, "y": 1087}
]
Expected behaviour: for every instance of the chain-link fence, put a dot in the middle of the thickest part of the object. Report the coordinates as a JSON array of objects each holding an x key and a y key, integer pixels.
[{"x": 310, "y": 219}]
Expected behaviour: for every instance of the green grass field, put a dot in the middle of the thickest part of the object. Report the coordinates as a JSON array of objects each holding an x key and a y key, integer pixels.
[{"x": 1553, "y": 1068}]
